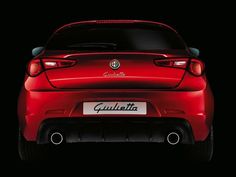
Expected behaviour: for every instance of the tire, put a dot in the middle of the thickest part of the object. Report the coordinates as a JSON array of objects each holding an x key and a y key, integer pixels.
[
  {"x": 30, "y": 151},
  {"x": 203, "y": 151}
]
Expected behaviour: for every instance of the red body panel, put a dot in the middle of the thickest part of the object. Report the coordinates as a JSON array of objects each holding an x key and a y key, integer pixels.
[
  {"x": 169, "y": 92},
  {"x": 194, "y": 106},
  {"x": 93, "y": 71}
]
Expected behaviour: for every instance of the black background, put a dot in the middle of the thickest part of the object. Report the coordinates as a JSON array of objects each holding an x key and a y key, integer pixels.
[{"x": 204, "y": 26}]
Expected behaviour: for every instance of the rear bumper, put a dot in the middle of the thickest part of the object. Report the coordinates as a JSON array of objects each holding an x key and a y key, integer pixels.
[
  {"x": 194, "y": 107},
  {"x": 115, "y": 130}
]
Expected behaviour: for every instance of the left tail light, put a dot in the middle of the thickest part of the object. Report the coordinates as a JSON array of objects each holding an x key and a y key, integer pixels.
[
  {"x": 34, "y": 67},
  {"x": 57, "y": 63},
  {"x": 37, "y": 66}
]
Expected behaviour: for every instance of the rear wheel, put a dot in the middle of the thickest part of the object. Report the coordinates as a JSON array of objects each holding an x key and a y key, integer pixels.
[
  {"x": 30, "y": 150},
  {"x": 203, "y": 151}
]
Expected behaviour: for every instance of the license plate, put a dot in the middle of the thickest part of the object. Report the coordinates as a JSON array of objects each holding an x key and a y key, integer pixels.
[{"x": 95, "y": 108}]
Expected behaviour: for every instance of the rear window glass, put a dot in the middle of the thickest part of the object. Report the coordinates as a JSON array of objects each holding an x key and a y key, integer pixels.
[{"x": 114, "y": 37}]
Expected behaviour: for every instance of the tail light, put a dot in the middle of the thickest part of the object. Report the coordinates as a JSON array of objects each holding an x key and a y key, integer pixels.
[
  {"x": 37, "y": 66},
  {"x": 196, "y": 67},
  {"x": 34, "y": 67},
  {"x": 174, "y": 63},
  {"x": 57, "y": 63}
]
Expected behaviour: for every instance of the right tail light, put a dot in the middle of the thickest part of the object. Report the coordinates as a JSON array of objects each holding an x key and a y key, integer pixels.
[{"x": 196, "y": 67}]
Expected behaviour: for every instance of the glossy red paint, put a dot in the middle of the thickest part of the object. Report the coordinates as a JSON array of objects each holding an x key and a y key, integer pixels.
[
  {"x": 90, "y": 70},
  {"x": 170, "y": 92}
]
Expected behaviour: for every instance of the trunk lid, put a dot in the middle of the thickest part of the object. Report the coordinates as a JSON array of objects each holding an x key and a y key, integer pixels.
[{"x": 137, "y": 70}]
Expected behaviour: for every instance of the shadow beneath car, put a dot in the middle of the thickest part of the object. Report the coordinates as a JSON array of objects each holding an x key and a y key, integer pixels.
[{"x": 96, "y": 153}]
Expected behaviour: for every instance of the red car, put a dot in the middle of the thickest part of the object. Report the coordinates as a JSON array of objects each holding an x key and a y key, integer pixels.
[{"x": 116, "y": 81}]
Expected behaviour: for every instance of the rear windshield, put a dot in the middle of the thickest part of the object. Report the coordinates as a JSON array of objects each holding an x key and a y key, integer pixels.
[{"x": 111, "y": 37}]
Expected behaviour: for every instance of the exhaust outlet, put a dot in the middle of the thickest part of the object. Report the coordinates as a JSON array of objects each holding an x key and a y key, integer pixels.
[
  {"x": 56, "y": 138},
  {"x": 173, "y": 138}
]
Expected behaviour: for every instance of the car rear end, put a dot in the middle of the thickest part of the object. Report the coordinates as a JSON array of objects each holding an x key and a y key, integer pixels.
[{"x": 116, "y": 81}]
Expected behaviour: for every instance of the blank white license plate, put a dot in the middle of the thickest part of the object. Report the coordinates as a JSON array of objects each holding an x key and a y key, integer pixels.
[{"x": 95, "y": 108}]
